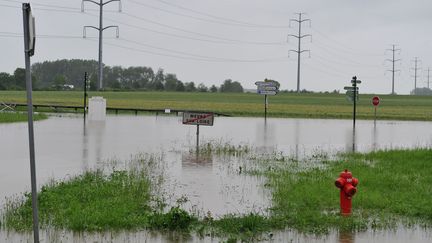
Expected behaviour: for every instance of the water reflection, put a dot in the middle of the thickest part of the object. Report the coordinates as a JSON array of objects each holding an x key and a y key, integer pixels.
[
  {"x": 346, "y": 237},
  {"x": 374, "y": 137}
]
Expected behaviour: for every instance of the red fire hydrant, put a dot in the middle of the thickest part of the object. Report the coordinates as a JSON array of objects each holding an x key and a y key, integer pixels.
[{"x": 347, "y": 185}]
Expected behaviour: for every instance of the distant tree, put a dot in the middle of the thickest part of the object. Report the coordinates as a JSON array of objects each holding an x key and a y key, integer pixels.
[
  {"x": 230, "y": 86},
  {"x": 190, "y": 87},
  {"x": 157, "y": 82},
  {"x": 171, "y": 82},
  {"x": 421, "y": 91},
  {"x": 20, "y": 78},
  {"x": 202, "y": 88},
  {"x": 180, "y": 86},
  {"x": 6, "y": 81},
  {"x": 213, "y": 89},
  {"x": 59, "y": 81}
]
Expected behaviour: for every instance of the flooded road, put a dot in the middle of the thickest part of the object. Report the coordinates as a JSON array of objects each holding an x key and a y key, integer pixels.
[{"x": 67, "y": 146}]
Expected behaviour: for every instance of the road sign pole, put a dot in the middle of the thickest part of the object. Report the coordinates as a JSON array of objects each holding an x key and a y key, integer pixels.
[
  {"x": 197, "y": 139},
  {"x": 85, "y": 94},
  {"x": 26, "y": 16},
  {"x": 265, "y": 106},
  {"x": 355, "y": 100},
  {"x": 375, "y": 115}
]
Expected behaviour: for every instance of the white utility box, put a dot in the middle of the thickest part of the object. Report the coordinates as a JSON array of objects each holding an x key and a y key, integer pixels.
[{"x": 97, "y": 109}]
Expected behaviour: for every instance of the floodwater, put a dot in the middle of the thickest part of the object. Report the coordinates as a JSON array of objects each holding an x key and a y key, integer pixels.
[{"x": 66, "y": 146}]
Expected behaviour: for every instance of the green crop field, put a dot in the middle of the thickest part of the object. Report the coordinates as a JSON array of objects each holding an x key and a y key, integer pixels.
[{"x": 392, "y": 107}]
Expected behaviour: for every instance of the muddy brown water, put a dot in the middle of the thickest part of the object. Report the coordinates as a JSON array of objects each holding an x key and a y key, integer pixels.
[{"x": 66, "y": 146}]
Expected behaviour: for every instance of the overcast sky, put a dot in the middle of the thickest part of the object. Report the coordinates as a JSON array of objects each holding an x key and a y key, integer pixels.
[{"x": 209, "y": 41}]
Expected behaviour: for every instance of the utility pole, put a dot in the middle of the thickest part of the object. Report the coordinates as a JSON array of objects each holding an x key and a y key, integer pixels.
[
  {"x": 428, "y": 78},
  {"x": 100, "y": 29},
  {"x": 416, "y": 62},
  {"x": 299, "y": 51},
  {"x": 393, "y": 60}
]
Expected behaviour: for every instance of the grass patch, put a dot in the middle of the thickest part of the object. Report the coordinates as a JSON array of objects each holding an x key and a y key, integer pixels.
[
  {"x": 99, "y": 201},
  {"x": 335, "y": 106},
  {"x": 394, "y": 188},
  {"x": 9, "y": 117}
]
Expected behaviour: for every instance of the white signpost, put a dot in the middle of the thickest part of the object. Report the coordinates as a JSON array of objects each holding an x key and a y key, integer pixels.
[
  {"x": 198, "y": 118},
  {"x": 267, "y": 88}
]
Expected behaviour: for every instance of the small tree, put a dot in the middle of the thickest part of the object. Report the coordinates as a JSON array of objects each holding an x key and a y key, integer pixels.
[
  {"x": 213, "y": 89},
  {"x": 230, "y": 86},
  {"x": 202, "y": 88}
]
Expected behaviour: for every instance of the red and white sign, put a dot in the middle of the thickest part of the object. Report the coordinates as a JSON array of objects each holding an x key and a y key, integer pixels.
[
  {"x": 375, "y": 100},
  {"x": 198, "y": 118}
]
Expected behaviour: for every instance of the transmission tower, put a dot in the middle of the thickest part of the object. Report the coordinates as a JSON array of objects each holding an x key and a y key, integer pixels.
[
  {"x": 299, "y": 51},
  {"x": 393, "y": 60},
  {"x": 101, "y": 4},
  {"x": 416, "y": 68}
]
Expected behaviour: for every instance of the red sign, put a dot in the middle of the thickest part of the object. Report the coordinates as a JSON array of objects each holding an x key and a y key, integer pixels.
[{"x": 375, "y": 100}]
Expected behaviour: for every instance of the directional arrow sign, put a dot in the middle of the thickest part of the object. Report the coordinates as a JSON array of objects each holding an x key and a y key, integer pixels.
[
  {"x": 350, "y": 88},
  {"x": 356, "y": 81},
  {"x": 263, "y": 83},
  {"x": 267, "y": 88},
  {"x": 266, "y": 92}
]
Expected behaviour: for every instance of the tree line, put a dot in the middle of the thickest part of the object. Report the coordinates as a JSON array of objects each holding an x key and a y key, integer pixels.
[{"x": 65, "y": 74}]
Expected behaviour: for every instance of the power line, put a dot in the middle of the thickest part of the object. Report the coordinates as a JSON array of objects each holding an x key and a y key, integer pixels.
[
  {"x": 202, "y": 34},
  {"x": 223, "y": 18},
  {"x": 342, "y": 45},
  {"x": 299, "y": 51},
  {"x": 200, "y": 56},
  {"x": 393, "y": 60},
  {"x": 191, "y": 17},
  {"x": 196, "y": 57}
]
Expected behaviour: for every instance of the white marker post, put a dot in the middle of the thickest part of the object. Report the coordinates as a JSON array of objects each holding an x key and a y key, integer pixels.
[{"x": 29, "y": 46}]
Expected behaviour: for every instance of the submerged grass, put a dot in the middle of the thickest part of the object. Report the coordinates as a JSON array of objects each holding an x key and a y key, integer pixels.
[
  {"x": 394, "y": 189},
  {"x": 98, "y": 201},
  {"x": 9, "y": 117}
]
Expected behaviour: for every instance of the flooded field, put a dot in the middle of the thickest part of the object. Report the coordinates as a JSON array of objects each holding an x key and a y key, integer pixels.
[{"x": 67, "y": 146}]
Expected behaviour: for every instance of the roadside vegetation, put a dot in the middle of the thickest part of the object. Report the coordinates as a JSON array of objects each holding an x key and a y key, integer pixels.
[
  {"x": 9, "y": 117},
  {"x": 306, "y": 105},
  {"x": 394, "y": 189}
]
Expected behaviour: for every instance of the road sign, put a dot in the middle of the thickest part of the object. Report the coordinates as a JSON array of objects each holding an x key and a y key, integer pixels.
[
  {"x": 267, "y": 88},
  {"x": 350, "y": 88},
  {"x": 264, "y": 83},
  {"x": 266, "y": 92},
  {"x": 375, "y": 100},
  {"x": 198, "y": 118},
  {"x": 356, "y": 81}
]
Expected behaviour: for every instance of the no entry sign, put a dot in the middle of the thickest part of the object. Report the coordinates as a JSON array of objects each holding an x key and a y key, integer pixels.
[{"x": 375, "y": 100}]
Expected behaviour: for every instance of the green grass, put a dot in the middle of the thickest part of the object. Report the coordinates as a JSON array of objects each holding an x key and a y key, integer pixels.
[
  {"x": 394, "y": 188},
  {"x": 9, "y": 117},
  {"x": 96, "y": 202},
  {"x": 395, "y": 107}
]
